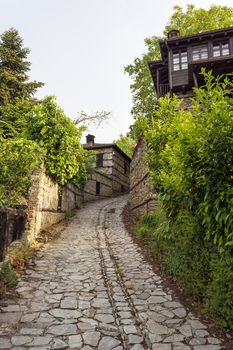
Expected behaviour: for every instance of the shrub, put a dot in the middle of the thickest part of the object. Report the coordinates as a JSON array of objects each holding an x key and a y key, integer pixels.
[
  {"x": 190, "y": 159},
  {"x": 7, "y": 274},
  {"x": 65, "y": 160},
  {"x": 31, "y": 132},
  {"x": 183, "y": 253},
  {"x": 18, "y": 158},
  {"x": 19, "y": 253},
  {"x": 190, "y": 162},
  {"x": 219, "y": 294}
]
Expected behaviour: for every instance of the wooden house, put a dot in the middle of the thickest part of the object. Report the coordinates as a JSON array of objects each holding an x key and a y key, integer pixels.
[
  {"x": 183, "y": 57},
  {"x": 110, "y": 174}
]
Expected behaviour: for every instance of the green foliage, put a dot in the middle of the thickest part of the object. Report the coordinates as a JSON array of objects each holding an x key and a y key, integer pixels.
[
  {"x": 147, "y": 224},
  {"x": 199, "y": 269},
  {"x": 199, "y": 20},
  {"x": 32, "y": 133},
  {"x": 14, "y": 118},
  {"x": 65, "y": 158},
  {"x": 13, "y": 69},
  {"x": 126, "y": 144},
  {"x": 190, "y": 22},
  {"x": 186, "y": 255},
  {"x": 190, "y": 158},
  {"x": 219, "y": 295},
  {"x": 7, "y": 274},
  {"x": 190, "y": 162},
  {"x": 18, "y": 158}
]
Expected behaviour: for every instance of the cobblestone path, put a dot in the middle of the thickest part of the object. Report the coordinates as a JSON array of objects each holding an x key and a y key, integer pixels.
[{"x": 92, "y": 289}]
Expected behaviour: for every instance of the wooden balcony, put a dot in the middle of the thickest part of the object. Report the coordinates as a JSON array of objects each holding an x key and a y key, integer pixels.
[{"x": 163, "y": 89}]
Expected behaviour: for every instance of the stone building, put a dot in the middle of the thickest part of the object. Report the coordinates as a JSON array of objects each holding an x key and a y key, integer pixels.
[{"x": 110, "y": 174}]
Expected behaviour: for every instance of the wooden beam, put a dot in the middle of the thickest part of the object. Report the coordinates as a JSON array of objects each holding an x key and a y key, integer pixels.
[{"x": 195, "y": 80}]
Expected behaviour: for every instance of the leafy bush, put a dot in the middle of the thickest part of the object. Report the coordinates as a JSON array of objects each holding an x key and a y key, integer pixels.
[
  {"x": 34, "y": 132},
  {"x": 18, "y": 158},
  {"x": 7, "y": 274},
  {"x": 190, "y": 154},
  {"x": 190, "y": 158},
  {"x": 219, "y": 294},
  {"x": 187, "y": 256},
  {"x": 65, "y": 158},
  {"x": 180, "y": 249},
  {"x": 199, "y": 269}
]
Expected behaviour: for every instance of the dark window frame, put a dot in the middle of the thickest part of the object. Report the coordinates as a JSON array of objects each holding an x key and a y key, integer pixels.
[
  {"x": 201, "y": 50},
  {"x": 220, "y": 44},
  {"x": 182, "y": 62},
  {"x": 99, "y": 160},
  {"x": 97, "y": 188}
]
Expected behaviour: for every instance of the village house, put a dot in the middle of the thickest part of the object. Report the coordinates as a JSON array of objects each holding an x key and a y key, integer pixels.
[
  {"x": 183, "y": 57},
  {"x": 110, "y": 175}
]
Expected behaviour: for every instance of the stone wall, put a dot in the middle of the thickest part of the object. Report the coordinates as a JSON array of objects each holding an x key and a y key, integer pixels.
[
  {"x": 142, "y": 199},
  {"x": 46, "y": 206},
  {"x": 12, "y": 225}
]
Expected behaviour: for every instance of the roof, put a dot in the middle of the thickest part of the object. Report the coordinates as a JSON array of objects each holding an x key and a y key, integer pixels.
[
  {"x": 209, "y": 33},
  {"x": 96, "y": 146},
  {"x": 164, "y": 43}
]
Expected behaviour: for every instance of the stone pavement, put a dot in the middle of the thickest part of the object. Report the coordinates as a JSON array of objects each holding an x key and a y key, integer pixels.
[{"x": 92, "y": 289}]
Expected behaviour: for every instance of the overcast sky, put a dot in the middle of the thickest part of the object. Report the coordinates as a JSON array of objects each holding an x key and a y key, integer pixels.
[{"x": 79, "y": 48}]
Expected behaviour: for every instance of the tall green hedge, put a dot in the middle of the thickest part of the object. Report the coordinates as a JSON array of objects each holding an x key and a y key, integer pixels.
[{"x": 190, "y": 159}]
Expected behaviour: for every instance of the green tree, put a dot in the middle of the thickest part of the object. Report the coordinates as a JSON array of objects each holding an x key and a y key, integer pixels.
[
  {"x": 192, "y": 21},
  {"x": 14, "y": 80},
  {"x": 14, "y": 118},
  {"x": 126, "y": 143}
]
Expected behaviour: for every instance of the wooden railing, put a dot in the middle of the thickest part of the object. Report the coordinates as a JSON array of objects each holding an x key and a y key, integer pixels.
[{"x": 163, "y": 89}]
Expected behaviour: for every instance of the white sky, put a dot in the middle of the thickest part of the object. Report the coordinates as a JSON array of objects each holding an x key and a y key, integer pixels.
[{"x": 79, "y": 48}]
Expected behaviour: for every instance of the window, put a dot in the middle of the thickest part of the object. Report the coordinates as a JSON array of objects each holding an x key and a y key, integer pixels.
[
  {"x": 199, "y": 53},
  {"x": 99, "y": 160},
  {"x": 221, "y": 49},
  {"x": 122, "y": 188},
  {"x": 97, "y": 188},
  {"x": 180, "y": 60}
]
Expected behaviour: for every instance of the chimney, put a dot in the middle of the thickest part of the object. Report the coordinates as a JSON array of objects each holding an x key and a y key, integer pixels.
[
  {"x": 90, "y": 139},
  {"x": 173, "y": 34}
]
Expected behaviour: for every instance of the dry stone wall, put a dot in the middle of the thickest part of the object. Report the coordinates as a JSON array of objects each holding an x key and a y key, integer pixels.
[
  {"x": 142, "y": 199},
  {"x": 45, "y": 206}
]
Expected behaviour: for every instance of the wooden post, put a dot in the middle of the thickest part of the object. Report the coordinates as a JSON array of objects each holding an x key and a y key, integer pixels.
[{"x": 195, "y": 80}]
